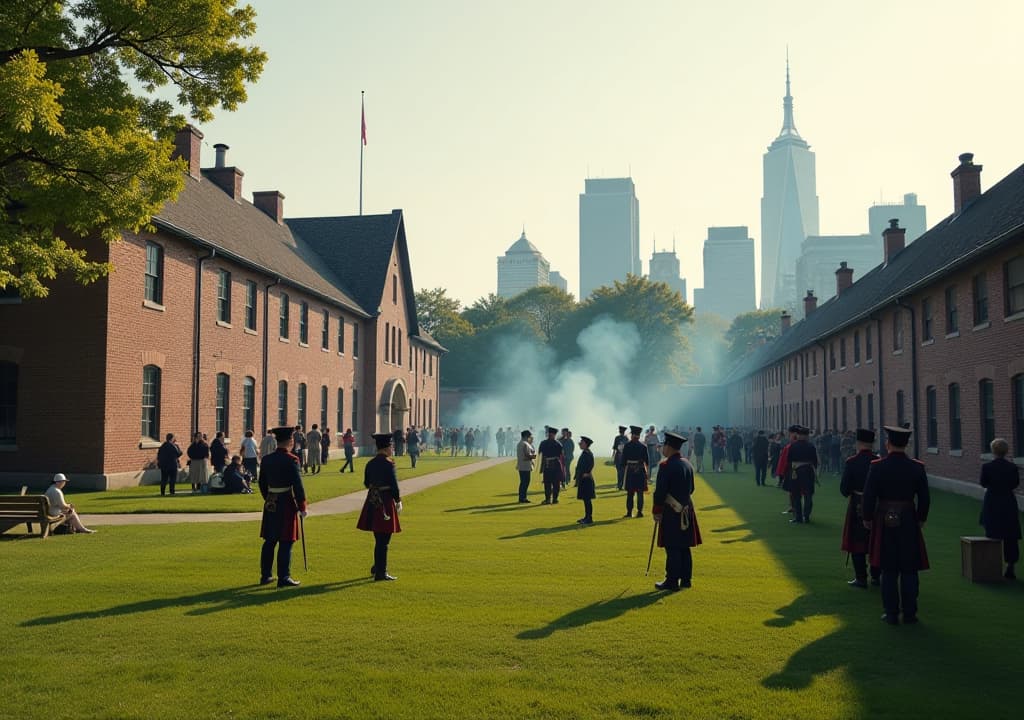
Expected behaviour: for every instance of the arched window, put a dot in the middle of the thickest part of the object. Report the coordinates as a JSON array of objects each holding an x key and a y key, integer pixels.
[
  {"x": 151, "y": 402},
  {"x": 932, "y": 412},
  {"x": 955, "y": 435},
  {"x": 248, "y": 404},
  {"x": 223, "y": 402},
  {"x": 987, "y": 410},
  {"x": 282, "y": 403},
  {"x": 341, "y": 410},
  {"x": 300, "y": 405},
  {"x": 323, "y": 406}
]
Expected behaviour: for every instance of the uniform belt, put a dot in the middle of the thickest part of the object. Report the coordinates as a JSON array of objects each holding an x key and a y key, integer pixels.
[
  {"x": 857, "y": 492},
  {"x": 633, "y": 462},
  {"x": 799, "y": 464},
  {"x": 280, "y": 490},
  {"x": 895, "y": 504},
  {"x": 381, "y": 487}
]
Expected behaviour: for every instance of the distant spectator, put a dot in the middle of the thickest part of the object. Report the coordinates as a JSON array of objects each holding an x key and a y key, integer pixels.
[
  {"x": 168, "y": 460},
  {"x": 198, "y": 463},
  {"x": 299, "y": 447},
  {"x": 412, "y": 441},
  {"x": 325, "y": 446},
  {"x": 313, "y": 440},
  {"x": 236, "y": 478},
  {"x": 268, "y": 445},
  {"x": 218, "y": 453},
  {"x": 999, "y": 513},
  {"x": 348, "y": 444},
  {"x": 250, "y": 453},
  {"x": 59, "y": 506}
]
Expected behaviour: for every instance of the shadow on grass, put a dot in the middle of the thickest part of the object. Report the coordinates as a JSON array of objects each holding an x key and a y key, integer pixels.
[
  {"x": 204, "y": 603},
  {"x": 709, "y": 508},
  {"x": 934, "y": 668},
  {"x": 600, "y": 611},
  {"x": 534, "y": 532},
  {"x": 496, "y": 506}
]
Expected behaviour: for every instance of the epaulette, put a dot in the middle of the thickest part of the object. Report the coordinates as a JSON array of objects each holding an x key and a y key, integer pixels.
[
  {"x": 293, "y": 456},
  {"x": 877, "y": 460}
]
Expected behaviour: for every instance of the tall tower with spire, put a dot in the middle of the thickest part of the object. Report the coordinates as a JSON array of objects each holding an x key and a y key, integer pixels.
[{"x": 789, "y": 209}]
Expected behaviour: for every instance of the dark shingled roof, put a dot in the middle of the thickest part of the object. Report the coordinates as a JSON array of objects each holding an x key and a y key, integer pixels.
[
  {"x": 205, "y": 214},
  {"x": 990, "y": 221}
]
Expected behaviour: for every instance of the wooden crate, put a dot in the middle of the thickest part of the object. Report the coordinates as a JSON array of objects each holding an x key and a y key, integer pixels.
[{"x": 981, "y": 559}]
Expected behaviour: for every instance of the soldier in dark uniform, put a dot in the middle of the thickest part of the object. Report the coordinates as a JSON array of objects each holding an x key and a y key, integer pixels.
[
  {"x": 999, "y": 513},
  {"x": 897, "y": 545},
  {"x": 636, "y": 471},
  {"x": 855, "y": 535},
  {"x": 674, "y": 514},
  {"x": 284, "y": 499},
  {"x": 568, "y": 452},
  {"x": 617, "y": 444},
  {"x": 551, "y": 466},
  {"x": 383, "y": 504},
  {"x": 800, "y": 465},
  {"x": 586, "y": 490}
]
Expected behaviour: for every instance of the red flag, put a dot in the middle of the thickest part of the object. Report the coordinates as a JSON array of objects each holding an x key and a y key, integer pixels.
[{"x": 364, "y": 125}]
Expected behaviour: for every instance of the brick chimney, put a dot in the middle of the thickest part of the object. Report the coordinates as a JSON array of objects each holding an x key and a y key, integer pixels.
[
  {"x": 966, "y": 182},
  {"x": 188, "y": 143},
  {"x": 787, "y": 321},
  {"x": 894, "y": 238},
  {"x": 271, "y": 202},
  {"x": 228, "y": 179},
  {"x": 844, "y": 278},
  {"x": 810, "y": 304}
]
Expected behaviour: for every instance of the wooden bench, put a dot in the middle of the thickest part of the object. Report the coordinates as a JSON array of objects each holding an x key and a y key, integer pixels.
[{"x": 27, "y": 509}]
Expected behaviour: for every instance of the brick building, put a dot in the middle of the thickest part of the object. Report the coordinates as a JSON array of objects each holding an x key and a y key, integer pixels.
[
  {"x": 932, "y": 336},
  {"x": 227, "y": 317}
]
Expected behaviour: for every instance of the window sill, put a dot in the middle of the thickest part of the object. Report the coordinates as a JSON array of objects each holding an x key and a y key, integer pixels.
[
  {"x": 868, "y": 362},
  {"x": 981, "y": 326},
  {"x": 897, "y": 352},
  {"x": 8, "y": 448},
  {"x": 341, "y": 353},
  {"x": 149, "y": 444},
  {"x": 932, "y": 451},
  {"x": 283, "y": 339},
  {"x": 987, "y": 456},
  {"x": 1014, "y": 317},
  {"x": 929, "y": 341},
  {"x": 221, "y": 323},
  {"x": 856, "y": 364},
  {"x": 150, "y": 305},
  {"x": 326, "y": 350},
  {"x": 842, "y": 367},
  {"x": 250, "y": 331},
  {"x": 303, "y": 344},
  {"x": 956, "y": 453},
  {"x": 954, "y": 334}
]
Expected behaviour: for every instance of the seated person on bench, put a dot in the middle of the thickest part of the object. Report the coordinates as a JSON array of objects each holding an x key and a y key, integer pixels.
[{"x": 59, "y": 506}]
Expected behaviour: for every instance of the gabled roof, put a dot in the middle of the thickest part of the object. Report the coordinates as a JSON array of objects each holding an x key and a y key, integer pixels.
[
  {"x": 990, "y": 221},
  {"x": 205, "y": 214}
]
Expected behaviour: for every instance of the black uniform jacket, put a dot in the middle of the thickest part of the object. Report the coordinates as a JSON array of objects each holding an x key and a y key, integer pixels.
[
  {"x": 893, "y": 484},
  {"x": 550, "y": 452},
  {"x": 999, "y": 512},
  {"x": 855, "y": 474},
  {"x": 584, "y": 476},
  {"x": 675, "y": 478},
  {"x": 280, "y": 473}
]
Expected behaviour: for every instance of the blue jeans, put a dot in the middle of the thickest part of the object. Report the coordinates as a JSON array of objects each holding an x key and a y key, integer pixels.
[{"x": 524, "y": 482}]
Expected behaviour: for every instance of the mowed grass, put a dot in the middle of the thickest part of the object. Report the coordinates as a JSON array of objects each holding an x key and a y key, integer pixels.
[
  {"x": 326, "y": 484},
  {"x": 502, "y": 611}
]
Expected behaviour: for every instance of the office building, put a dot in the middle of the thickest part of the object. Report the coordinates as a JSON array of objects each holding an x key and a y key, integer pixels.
[
  {"x": 728, "y": 273},
  {"x": 521, "y": 267},
  {"x": 609, "y": 233}
]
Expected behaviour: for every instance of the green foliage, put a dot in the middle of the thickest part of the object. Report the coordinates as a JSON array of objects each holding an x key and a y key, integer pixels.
[
  {"x": 438, "y": 314},
  {"x": 659, "y": 314},
  {"x": 85, "y": 135},
  {"x": 487, "y": 311},
  {"x": 504, "y": 611},
  {"x": 545, "y": 308},
  {"x": 471, "y": 357},
  {"x": 751, "y": 330}
]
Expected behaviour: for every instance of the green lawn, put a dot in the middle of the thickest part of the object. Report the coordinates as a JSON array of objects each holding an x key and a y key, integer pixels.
[
  {"x": 502, "y": 611},
  {"x": 326, "y": 484}
]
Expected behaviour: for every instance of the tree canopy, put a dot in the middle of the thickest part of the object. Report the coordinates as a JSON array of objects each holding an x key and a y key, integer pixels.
[
  {"x": 544, "y": 307},
  {"x": 85, "y": 123},
  {"x": 751, "y": 329},
  {"x": 438, "y": 314}
]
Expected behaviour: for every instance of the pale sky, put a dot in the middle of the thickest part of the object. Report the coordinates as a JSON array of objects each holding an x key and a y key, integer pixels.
[{"x": 484, "y": 117}]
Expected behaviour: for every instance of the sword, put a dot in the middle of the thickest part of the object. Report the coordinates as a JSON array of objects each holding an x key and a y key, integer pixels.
[
  {"x": 651, "y": 553},
  {"x": 302, "y": 534}
]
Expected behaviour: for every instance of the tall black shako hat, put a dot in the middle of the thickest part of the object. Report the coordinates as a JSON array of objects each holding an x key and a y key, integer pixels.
[
  {"x": 622, "y": 428},
  {"x": 283, "y": 434},
  {"x": 635, "y": 429},
  {"x": 383, "y": 440},
  {"x": 865, "y": 436},
  {"x": 673, "y": 440},
  {"x": 898, "y": 435}
]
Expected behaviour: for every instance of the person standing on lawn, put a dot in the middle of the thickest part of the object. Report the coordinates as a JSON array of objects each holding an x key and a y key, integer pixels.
[
  {"x": 348, "y": 444},
  {"x": 759, "y": 454},
  {"x": 895, "y": 521},
  {"x": 586, "y": 490},
  {"x": 284, "y": 500},
  {"x": 552, "y": 466},
  {"x": 250, "y": 454},
  {"x": 525, "y": 456},
  {"x": 313, "y": 439},
  {"x": 855, "y": 536},
  {"x": 168, "y": 460},
  {"x": 636, "y": 472},
  {"x": 382, "y": 505},
  {"x": 412, "y": 441},
  {"x": 999, "y": 513},
  {"x": 678, "y": 531},
  {"x": 800, "y": 465},
  {"x": 617, "y": 445},
  {"x": 568, "y": 453}
]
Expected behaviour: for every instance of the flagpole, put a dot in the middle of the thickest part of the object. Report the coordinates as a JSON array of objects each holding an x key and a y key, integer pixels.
[{"x": 362, "y": 144}]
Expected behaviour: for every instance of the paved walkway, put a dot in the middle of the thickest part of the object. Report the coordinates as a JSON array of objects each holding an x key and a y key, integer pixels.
[{"x": 334, "y": 506}]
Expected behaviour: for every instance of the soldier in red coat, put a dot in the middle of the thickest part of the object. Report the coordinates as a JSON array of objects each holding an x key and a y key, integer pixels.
[
  {"x": 382, "y": 505},
  {"x": 673, "y": 512},
  {"x": 855, "y": 535},
  {"x": 284, "y": 499},
  {"x": 896, "y": 502}
]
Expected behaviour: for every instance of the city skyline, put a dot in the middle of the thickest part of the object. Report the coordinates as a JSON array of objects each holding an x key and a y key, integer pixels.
[{"x": 492, "y": 117}]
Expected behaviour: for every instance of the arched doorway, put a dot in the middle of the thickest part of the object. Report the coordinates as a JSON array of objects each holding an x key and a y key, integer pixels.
[{"x": 394, "y": 406}]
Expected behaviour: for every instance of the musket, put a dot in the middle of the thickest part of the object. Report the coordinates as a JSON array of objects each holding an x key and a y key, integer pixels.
[
  {"x": 650, "y": 555},
  {"x": 302, "y": 534}
]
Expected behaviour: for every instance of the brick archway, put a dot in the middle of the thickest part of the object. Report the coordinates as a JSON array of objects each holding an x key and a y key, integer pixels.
[{"x": 393, "y": 410}]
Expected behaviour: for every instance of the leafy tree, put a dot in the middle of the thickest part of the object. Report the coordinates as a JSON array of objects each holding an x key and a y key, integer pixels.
[
  {"x": 438, "y": 314},
  {"x": 471, "y": 358},
  {"x": 750, "y": 330},
  {"x": 85, "y": 127},
  {"x": 659, "y": 314},
  {"x": 544, "y": 307},
  {"x": 487, "y": 311}
]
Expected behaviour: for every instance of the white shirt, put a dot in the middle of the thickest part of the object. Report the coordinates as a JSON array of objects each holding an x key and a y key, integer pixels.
[
  {"x": 248, "y": 448},
  {"x": 56, "y": 498}
]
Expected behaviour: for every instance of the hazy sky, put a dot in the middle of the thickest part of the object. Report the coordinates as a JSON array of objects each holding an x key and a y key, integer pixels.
[{"x": 484, "y": 117}]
